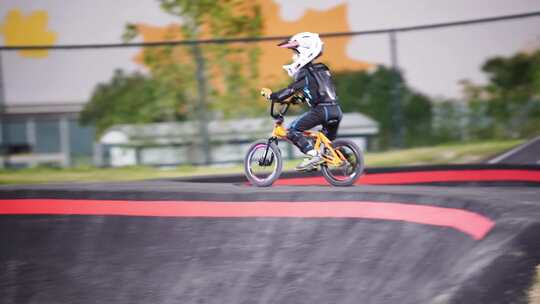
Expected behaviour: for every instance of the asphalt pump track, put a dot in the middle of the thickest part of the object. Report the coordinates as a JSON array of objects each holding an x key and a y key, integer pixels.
[{"x": 217, "y": 242}]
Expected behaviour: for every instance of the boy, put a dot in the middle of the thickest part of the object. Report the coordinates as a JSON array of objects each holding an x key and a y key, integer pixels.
[{"x": 314, "y": 81}]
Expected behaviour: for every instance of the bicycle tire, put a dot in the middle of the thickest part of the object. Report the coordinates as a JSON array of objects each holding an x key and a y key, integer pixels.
[
  {"x": 250, "y": 154},
  {"x": 358, "y": 166}
]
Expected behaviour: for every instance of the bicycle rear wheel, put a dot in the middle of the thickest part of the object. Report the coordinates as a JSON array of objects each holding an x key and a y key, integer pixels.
[
  {"x": 352, "y": 167},
  {"x": 263, "y": 171}
]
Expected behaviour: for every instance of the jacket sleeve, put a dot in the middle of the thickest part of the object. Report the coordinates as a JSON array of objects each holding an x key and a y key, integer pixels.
[{"x": 298, "y": 84}]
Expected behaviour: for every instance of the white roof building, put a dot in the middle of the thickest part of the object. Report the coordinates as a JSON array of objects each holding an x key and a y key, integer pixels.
[{"x": 175, "y": 143}]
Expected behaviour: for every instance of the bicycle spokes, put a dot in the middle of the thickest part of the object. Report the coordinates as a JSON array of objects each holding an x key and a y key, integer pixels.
[{"x": 261, "y": 162}]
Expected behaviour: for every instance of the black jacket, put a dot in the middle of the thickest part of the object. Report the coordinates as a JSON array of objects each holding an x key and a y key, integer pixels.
[{"x": 315, "y": 82}]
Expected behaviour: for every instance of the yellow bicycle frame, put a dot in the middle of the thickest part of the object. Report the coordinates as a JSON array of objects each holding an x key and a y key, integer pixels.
[{"x": 334, "y": 158}]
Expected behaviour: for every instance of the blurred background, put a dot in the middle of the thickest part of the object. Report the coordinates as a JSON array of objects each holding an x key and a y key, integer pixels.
[{"x": 167, "y": 83}]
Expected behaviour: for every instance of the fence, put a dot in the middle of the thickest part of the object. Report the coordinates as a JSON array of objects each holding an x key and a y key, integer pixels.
[{"x": 408, "y": 79}]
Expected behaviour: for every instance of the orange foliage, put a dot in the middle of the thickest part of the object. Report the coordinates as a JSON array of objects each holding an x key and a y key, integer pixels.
[
  {"x": 272, "y": 57},
  {"x": 332, "y": 20}
]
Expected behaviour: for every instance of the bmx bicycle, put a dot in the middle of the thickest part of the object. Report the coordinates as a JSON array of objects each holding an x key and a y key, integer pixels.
[{"x": 263, "y": 164}]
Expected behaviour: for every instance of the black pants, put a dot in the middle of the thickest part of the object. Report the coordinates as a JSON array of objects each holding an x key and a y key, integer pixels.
[{"x": 327, "y": 116}]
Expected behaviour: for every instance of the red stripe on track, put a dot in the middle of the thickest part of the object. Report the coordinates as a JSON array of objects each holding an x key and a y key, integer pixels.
[
  {"x": 470, "y": 223},
  {"x": 428, "y": 177}
]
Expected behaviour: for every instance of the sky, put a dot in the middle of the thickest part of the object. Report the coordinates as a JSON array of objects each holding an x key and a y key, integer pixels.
[{"x": 433, "y": 61}]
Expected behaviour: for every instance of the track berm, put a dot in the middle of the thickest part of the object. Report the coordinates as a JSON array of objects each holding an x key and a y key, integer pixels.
[{"x": 218, "y": 240}]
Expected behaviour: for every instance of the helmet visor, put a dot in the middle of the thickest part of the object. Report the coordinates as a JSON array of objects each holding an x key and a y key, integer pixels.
[{"x": 289, "y": 44}]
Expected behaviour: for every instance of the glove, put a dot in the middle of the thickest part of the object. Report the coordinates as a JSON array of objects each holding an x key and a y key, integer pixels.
[
  {"x": 297, "y": 99},
  {"x": 266, "y": 92}
]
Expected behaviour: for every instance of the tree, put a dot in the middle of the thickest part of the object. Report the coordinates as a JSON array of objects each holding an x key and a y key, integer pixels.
[
  {"x": 231, "y": 69},
  {"x": 372, "y": 94},
  {"x": 510, "y": 100},
  {"x": 131, "y": 98},
  {"x": 218, "y": 77},
  {"x": 449, "y": 122}
]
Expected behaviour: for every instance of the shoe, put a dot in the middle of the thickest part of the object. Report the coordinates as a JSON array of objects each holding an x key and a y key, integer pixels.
[{"x": 310, "y": 163}]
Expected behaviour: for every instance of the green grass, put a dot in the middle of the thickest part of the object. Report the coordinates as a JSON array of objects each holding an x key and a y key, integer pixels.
[
  {"x": 444, "y": 154},
  {"x": 83, "y": 174}
]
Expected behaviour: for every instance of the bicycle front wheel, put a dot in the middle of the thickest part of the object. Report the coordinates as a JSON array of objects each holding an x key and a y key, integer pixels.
[
  {"x": 263, "y": 163},
  {"x": 352, "y": 167}
]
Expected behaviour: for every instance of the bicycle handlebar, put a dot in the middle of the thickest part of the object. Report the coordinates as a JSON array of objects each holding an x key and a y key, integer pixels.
[
  {"x": 295, "y": 99},
  {"x": 282, "y": 111}
]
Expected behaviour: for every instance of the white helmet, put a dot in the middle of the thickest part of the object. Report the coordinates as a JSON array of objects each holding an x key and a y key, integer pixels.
[{"x": 307, "y": 46}]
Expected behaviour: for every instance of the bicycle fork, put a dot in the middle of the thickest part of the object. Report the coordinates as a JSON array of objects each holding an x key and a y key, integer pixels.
[{"x": 264, "y": 161}]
